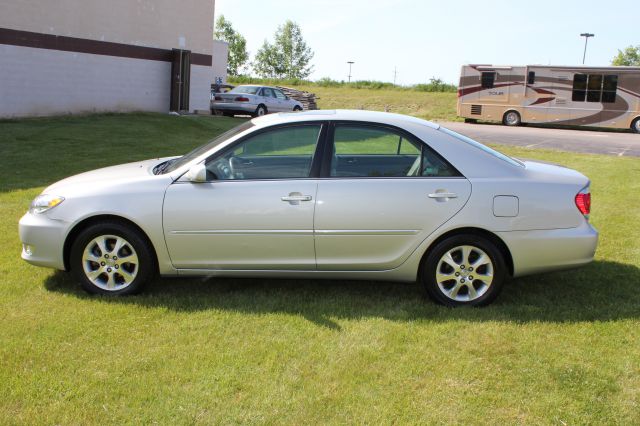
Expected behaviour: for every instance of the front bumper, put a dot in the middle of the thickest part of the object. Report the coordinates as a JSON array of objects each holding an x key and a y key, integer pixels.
[
  {"x": 43, "y": 240},
  {"x": 235, "y": 107},
  {"x": 551, "y": 249}
]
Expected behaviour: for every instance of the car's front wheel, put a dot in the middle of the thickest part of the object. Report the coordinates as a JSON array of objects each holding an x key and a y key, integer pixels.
[
  {"x": 464, "y": 270},
  {"x": 297, "y": 108},
  {"x": 635, "y": 125},
  {"x": 111, "y": 258}
]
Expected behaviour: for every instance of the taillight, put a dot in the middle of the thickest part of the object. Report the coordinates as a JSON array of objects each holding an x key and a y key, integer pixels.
[
  {"x": 583, "y": 202},
  {"x": 218, "y": 98},
  {"x": 241, "y": 99}
]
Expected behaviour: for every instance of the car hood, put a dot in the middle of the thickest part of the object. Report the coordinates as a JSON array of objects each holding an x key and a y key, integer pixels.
[{"x": 113, "y": 175}]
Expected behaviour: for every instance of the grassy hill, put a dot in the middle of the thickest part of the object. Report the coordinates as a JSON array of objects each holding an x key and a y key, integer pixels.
[{"x": 417, "y": 101}]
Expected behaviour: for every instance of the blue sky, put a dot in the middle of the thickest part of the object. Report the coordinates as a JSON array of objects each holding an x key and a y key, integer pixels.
[{"x": 426, "y": 39}]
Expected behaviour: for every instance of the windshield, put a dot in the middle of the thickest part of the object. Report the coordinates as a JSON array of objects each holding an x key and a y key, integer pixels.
[
  {"x": 485, "y": 148},
  {"x": 176, "y": 163},
  {"x": 249, "y": 90}
]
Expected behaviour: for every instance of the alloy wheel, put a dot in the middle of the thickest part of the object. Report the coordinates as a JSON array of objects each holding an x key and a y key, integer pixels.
[
  {"x": 464, "y": 273},
  {"x": 110, "y": 262}
]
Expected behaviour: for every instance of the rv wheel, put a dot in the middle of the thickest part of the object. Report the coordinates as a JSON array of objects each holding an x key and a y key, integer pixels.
[
  {"x": 635, "y": 125},
  {"x": 511, "y": 118}
]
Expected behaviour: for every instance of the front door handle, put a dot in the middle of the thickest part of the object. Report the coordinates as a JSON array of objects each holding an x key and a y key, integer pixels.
[
  {"x": 439, "y": 195},
  {"x": 294, "y": 198}
]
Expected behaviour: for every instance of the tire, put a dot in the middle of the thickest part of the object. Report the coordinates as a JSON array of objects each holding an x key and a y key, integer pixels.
[
  {"x": 120, "y": 272},
  {"x": 466, "y": 288},
  {"x": 511, "y": 118},
  {"x": 471, "y": 120},
  {"x": 635, "y": 125},
  {"x": 260, "y": 111},
  {"x": 297, "y": 108}
]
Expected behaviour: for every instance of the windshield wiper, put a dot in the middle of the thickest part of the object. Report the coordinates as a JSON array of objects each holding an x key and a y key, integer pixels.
[{"x": 160, "y": 168}]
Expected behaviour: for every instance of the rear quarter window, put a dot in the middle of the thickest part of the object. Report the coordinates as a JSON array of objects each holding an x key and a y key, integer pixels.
[{"x": 484, "y": 148}]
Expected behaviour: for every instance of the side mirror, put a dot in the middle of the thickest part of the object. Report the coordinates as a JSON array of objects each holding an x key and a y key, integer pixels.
[{"x": 197, "y": 173}]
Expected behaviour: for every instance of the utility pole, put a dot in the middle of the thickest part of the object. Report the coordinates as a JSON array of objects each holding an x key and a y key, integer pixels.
[
  {"x": 350, "y": 63},
  {"x": 586, "y": 39},
  {"x": 395, "y": 74}
]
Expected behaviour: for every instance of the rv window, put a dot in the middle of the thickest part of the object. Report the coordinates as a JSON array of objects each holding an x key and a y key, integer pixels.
[
  {"x": 487, "y": 80},
  {"x": 579, "y": 87},
  {"x": 609, "y": 88},
  {"x": 532, "y": 77},
  {"x": 594, "y": 88}
]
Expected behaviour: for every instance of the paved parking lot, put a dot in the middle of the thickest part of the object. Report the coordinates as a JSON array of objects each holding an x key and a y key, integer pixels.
[{"x": 597, "y": 142}]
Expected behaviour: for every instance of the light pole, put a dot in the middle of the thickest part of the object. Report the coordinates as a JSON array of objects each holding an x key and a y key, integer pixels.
[
  {"x": 350, "y": 63},
  {"x": 586, "y": 39}
]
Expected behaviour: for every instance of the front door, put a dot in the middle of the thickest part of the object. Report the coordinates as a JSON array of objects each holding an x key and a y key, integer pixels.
[
  {"x": 384, "y": 195},
  {"x": 256, "y": 210}
]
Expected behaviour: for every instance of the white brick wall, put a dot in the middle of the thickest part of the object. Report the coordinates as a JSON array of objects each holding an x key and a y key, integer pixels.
[{"x": 45, "y": 82}]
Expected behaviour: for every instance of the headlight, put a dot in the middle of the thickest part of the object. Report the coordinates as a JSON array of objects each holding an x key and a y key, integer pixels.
[{"x": 44, "y": 202}]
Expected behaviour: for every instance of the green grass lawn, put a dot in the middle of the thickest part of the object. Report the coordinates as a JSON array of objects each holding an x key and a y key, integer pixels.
[
  {"x": 435, "y": 106},
  {"x": 559, "y": 348}
]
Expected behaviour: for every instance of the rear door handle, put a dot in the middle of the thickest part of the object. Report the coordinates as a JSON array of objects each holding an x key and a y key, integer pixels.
[{"x": 443, "y": 195}]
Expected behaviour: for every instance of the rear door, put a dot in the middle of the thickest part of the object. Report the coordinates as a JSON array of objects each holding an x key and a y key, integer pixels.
[
  {"x": 270, "y": 100},
  {"x": 283, "y": 103},
  {"x": 383, "y": 192}
]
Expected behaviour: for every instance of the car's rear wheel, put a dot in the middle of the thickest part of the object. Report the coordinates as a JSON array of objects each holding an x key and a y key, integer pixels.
[
  {"x": 297, "y": 108},
  {"x": 511, "y": 118},
  {"x": 111, "y": 258},
  {"x": 464, "y": 270},
  {"x": 635, "y": 125},
  {"x": 260, "y": 111}
]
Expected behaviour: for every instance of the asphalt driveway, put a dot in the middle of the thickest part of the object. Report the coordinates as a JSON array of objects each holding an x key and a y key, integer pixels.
[{"x": 585, "y": 141}]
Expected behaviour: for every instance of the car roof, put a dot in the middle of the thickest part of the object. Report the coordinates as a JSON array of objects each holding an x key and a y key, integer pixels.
[
  {"x": 256, "y": 85},
  {"x": 341, "y": 115}
]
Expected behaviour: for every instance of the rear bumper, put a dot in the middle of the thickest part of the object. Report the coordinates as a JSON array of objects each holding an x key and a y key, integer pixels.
[
  {"x": 234, "y": 107},
  {"x": 42, "y": 240},
  {"x": 552, "y": 249}
]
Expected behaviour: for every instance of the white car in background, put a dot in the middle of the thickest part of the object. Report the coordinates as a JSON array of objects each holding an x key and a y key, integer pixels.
[
  {"x": 319, "y": 194},
  {"x": 253, "y": 100}
]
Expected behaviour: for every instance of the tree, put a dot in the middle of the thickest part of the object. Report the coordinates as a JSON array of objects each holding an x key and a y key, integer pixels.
[
  {"x": 287, "y": 57},
  {"x": 238, "y": 55},
  {"x": 629, "y": 56}
]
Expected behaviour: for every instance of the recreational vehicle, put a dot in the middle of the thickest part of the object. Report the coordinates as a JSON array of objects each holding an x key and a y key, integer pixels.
[{"x": 575, "y": 96}]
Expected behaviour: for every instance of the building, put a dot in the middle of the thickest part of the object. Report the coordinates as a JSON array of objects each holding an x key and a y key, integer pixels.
[
  {"x": 221, "y": 55},
  {"x": 74, "y": 56}
]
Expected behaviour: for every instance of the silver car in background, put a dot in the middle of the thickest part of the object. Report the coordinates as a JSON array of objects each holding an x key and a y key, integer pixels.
[
  {"x": 319, "y": 194},
  {"x": 253, "y": 100}
]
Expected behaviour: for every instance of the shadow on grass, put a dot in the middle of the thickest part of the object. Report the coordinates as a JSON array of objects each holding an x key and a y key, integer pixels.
[{"x": 602, "y": 291}]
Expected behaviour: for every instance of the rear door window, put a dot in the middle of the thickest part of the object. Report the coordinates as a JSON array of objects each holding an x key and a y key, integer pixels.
[
  {"x": 267, "y": 92},
  {"x": 372, "y": 151}
]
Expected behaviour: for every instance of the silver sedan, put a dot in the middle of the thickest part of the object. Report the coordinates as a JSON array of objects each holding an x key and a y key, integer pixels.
[
  {"x": 253, "y": 100},
  {"x": 319, "y": 194}
]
